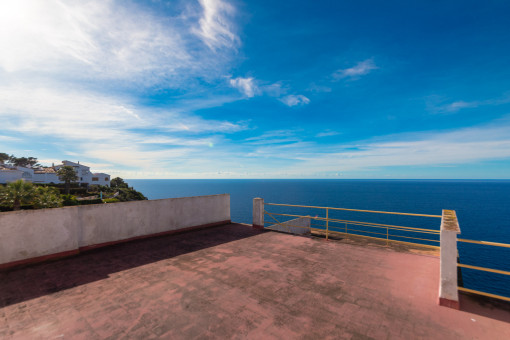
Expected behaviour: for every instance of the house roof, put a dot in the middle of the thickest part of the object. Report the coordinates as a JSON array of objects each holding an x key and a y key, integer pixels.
[{"x": 45, "y": 170}]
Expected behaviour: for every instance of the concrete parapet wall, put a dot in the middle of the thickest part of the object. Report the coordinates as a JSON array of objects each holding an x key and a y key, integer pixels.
[
  {"x": 41, "y": 234},
  {"x": 33, "y": 233}
]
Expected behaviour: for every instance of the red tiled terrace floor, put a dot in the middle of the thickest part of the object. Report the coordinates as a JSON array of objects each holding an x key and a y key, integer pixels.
[{"x": 237, "y": 282}]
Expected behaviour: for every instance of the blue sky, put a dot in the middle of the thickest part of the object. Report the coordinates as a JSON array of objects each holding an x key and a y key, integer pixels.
[{"x": 259, "y": 89}]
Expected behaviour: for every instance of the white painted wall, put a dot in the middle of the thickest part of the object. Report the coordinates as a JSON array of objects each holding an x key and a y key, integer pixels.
[
  {"x": 7, "y": 176},
  {"x": 47, "y": 177},
  {"x": 99, "y": 179},
  {"x": 32, "y": 233},
  {"x": 130, "y": 219}
]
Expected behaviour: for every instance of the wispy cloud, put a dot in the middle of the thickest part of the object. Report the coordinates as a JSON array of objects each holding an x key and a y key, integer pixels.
[
  {"x": 71, "y": 73},
  {"x": 459, "y": 105},
  {"x": 360, "y": 69},
  {"x": 327, "y": 133},
  {"x": 246, "y": 86},
  {"x": 69, "y": 38},
  {"x": 107, "y": 129},
  {"x": 319, "y": 88},
  {"x": 293, "y": 100},
  {"x": 276, "y": 137},
  {"x": 9, "y": 138},
  {"x": 250, "y": 87},
  {"x": 463, "y": 146},
  {"x": 215, "y": 28},
  {"x": 456, "y": 106},
  {"x": 96, "y": 41}
]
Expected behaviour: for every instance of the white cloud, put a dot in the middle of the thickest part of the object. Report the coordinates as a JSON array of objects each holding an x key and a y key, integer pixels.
[
  {"x": 327, "y": 133},
  {"x": 105, "y": 128},
  {"x": 287, "y": 154},
  {"x": 88, "y": 39},
  {"x": 319, "y": 88},
  {"x": 9, "y": 138},
  {"x": 64, "y": 66},
  {"x": 73, "y": 115},
  {"x": 293, "y": 100},
  {"x": 456, "y": 106},
  {"x": 215, "y": 27},
  {"x": 360, "y": 69},
  {"x": 463, "y": 146},
  {"x": 274, "y": 90},
  {"x": 246, "y": 86},
  {"x": 459, "y": 105},
  {"x": 275, "y": 137},
  {"x": 97, "y": 41}
]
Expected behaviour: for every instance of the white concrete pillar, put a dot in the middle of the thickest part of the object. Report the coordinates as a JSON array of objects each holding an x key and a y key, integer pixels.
[
  {"x": 258, "y": 213},
  {"x": 448, "y": 292}
]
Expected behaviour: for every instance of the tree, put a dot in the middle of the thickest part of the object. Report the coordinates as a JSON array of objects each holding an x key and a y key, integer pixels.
[
  {"x": 14, "y": 194},
  {"x": 23, "y": 161},
  {"x": 67, "y": 174},
  {"x": 47, "y": 197},
  {"x": 3, "y": 157},
  {"x": 118, "y": 182}
]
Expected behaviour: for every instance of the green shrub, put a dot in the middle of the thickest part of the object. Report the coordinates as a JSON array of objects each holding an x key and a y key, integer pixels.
[
  {"x": 87, "y": 202},
  {"x": 47, "y": 197},
  {"x": 111, "y": 200},
  {"x": 69, "y": 200}
]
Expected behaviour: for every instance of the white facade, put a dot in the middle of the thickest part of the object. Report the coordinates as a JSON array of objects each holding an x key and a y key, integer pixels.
[
  {"x": 84, "y": 174},
  {"x": 49, "y": 175},
  {"x": 10, "y": 174}
]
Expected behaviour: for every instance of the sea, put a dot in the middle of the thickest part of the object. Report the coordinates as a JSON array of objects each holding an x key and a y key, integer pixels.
[{"x": 482, "y": 207}]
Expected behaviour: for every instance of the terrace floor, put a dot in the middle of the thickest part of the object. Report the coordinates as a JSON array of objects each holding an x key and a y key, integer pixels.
[{"x": 236, "y": 282}]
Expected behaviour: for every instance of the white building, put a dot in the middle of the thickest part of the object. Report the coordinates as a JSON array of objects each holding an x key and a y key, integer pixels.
[{"x": 10, "y": 173}]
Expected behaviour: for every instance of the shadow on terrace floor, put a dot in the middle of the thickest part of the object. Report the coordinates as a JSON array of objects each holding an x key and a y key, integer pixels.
[
  {"x": 33, "y": 281},
  {"x": 484, "y": 306}
]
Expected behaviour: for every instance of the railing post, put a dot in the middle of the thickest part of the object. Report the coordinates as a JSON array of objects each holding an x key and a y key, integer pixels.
[
  {"x": 327, "y": 224},
  {"x": 258, "y": 213},
  {"x": 448, "y": 291}
]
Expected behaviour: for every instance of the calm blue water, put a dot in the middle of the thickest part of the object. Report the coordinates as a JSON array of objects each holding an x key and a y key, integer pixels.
[{"x": 483, "y": 209}]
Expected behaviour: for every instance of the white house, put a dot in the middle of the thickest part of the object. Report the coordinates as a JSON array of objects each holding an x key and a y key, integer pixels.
[
  {"x": 10, "y": 173},
  {"x": 84, "y": 174}
]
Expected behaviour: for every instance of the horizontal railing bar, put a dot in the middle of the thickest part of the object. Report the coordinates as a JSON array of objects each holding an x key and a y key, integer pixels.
[
  {"x": 504, "y": 272},
  {"x": 358, "y": 210},
  {"x": 362, "y": 231},
  {"x": 387, "y": 227},
  {"x": 379, "y": 225},
  {"x": 483, "y": 293},
  {"x": 286, "y": 225},
  {"x": 415, "y": 238},
  {"x": 389, "y": 235},
  {"x": 379, "y": 238},
  {"x": 368, "y": 224},
  {"x": 370, "y": 232},
  {"x": 487, "y": 243}
]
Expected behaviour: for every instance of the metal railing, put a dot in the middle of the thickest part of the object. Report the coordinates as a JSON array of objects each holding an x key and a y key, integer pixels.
[
  {"x": 327, "y": 226},
  {"x": 331, "y": 226},
  {"x": 484, "y": 269}
]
